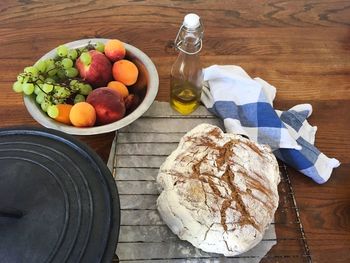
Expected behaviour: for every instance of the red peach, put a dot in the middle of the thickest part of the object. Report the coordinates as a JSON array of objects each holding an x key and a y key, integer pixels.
[
  {"x": 109, "y": 105},
  {"x": 140, "y": 87},
  {"x": 99, "y": 72},
  {"x": 132, "y": 101}
]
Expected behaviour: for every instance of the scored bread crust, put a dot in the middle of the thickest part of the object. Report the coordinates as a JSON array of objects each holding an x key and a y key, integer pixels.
[{"x": 218, "y": 191}]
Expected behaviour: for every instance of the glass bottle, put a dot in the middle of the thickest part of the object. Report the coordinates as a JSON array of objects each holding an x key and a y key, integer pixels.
[{"x": 186, "y": 75}]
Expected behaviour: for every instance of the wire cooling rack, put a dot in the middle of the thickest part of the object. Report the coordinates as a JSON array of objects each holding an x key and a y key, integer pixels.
[{"x": 137, "y": 152}]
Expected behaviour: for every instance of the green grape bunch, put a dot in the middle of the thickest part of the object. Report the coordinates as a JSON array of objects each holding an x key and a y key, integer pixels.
[{"x": 55, "y": 80}]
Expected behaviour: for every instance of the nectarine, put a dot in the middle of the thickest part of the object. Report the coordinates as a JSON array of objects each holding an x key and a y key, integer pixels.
[
  {"x": 109, "y": 105},
  {"x": 99, "y": 72},
  {"x": 132, "y": 101},
  {"x": 114, "y": 50},
  {"x": 140, "y": 87}
]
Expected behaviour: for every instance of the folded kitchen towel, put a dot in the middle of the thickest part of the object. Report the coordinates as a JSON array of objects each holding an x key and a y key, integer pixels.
[{"x": 246, "y": 107}]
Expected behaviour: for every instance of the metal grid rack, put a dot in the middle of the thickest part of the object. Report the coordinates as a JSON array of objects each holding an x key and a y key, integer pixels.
[{"x": 138, "y": 151}]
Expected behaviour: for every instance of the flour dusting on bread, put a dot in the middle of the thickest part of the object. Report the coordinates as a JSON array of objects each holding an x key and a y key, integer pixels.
[{"x": 218, "y": 191}]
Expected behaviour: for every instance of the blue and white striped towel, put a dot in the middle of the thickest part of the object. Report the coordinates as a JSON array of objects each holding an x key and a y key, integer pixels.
[{"x": 246, "y": 107}]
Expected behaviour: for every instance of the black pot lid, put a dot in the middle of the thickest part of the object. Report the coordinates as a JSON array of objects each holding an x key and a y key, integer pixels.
[{"x": 58, "y": 200}]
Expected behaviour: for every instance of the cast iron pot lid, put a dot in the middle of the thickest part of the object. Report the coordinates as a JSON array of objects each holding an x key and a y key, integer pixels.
[{"x": 58, "y": 200}]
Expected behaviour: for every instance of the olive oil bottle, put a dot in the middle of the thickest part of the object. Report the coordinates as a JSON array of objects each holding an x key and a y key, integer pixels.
[{"x": 186, "y": 73}]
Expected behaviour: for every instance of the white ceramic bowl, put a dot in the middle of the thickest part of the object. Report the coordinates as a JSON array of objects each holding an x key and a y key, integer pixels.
[{"x": 134, "y": 54}]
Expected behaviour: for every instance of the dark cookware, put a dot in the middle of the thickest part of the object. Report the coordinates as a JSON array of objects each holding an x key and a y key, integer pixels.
[{"x": 58, "y": 200}]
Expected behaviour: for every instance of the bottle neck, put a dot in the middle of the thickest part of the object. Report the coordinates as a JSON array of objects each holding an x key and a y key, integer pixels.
[
  {"x": 190, "y": 46},
  {"x": 189, "y": 41}
]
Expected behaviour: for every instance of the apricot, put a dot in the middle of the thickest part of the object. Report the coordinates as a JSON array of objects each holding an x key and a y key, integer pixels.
[
  {"x": 119, "y": 87},
  {"x": 125, "y": 71},
  {"x": 63, "y": 113},
  {"x": 114, "y": 50},
  {"x": 82, "y": 114},
  {"x": 108, "y": 103}
]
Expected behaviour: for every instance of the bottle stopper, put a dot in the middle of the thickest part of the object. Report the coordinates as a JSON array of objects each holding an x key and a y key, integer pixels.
[{"x": 191, "y": 21}]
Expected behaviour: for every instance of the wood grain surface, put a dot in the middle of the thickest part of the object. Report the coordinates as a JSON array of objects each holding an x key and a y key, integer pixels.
[{"x": 301, "y": 47}]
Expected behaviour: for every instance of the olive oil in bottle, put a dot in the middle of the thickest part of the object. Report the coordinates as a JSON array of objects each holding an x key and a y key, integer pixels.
[
  {"x": 185, "y": 96},
  {"x": 186, "y": 73}
]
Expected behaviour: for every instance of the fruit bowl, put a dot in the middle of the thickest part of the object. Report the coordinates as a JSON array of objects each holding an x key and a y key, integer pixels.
[{"x": 147, "y": 72}]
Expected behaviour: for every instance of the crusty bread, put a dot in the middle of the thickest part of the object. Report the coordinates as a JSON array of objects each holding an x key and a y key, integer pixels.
[{"x": 219, "y": 191}]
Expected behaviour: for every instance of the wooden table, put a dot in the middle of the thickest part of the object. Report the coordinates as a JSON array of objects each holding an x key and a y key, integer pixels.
[{"x": 301, "y": 47}]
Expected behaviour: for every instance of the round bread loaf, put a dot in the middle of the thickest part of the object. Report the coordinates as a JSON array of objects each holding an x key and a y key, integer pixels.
[{"x": 219, "y": 191}]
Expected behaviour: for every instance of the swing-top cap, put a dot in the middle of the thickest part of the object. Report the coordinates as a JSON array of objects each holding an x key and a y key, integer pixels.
[{"x": 191, "y": 21}]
